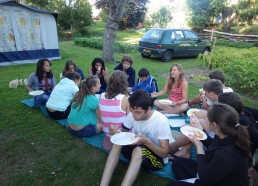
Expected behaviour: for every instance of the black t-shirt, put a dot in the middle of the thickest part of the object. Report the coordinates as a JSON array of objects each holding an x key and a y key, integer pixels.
[{"x": 246, "y": 119}]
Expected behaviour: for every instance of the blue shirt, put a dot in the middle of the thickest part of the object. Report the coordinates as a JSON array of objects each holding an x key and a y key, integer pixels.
[{"x": 150, "y": 85}]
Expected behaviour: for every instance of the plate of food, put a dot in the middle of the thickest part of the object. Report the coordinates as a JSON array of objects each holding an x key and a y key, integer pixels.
[
  {"x": 123, "y": 138},
  {"x": 191, "y": 111},
  {"x": 192, "y": 131},
  {"x": 165, "y": 101},
  {"x": 36, "y": 92}
]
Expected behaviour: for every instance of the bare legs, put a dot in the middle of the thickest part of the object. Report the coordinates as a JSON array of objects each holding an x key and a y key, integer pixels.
[
  {"x": 99, "y": 127},
  {"x": 134, "y": 167},
  {"x": 132, "y": 171},
  {"x": 180, "y": 142},
  {"x": 184, "y": 142},
  {"x": 177, "y": 109},
  {"x": 110, "y": 166}
]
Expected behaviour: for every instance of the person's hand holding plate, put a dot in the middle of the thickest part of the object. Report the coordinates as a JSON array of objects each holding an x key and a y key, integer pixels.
[
  {"x": 113, "y": 129},
  {"x": 198, "y": 144},
  {"x": 141, "y": 139},
  {"x": 194, "y": 122}
]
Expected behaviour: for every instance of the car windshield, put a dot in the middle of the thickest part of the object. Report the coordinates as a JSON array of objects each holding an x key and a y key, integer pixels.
[{"x": 153, "y": 34}]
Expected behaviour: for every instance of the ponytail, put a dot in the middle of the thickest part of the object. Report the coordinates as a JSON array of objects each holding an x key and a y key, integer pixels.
[
  {"x": 241, "y": 138},
  {"x": 84, "y": 91},
  {"x": 228, "y": 124}
]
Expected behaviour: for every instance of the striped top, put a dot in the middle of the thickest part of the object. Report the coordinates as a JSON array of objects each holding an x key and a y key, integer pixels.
[
  {"x": 111, "y": 112},
  {"x": 176, "y": 94}
]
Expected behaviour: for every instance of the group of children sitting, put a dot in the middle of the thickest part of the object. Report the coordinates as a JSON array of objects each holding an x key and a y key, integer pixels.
[{"x": 74, "y": 98}]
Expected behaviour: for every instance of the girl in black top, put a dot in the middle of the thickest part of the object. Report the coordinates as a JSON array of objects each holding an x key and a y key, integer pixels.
[
  {"x": 225, "y": 162},
  {"x": 99, "y": 70}
]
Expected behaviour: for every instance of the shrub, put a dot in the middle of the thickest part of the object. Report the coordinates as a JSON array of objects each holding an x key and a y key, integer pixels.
[
  {"x": 235, "y": 44},
  {"x": 103, "y": 15},
  {"x": 243, "y": 76},
  {"x": 250, "y": 30},
  {"x": 98, "y": 44},
  {"x": 240, "y": 65}
]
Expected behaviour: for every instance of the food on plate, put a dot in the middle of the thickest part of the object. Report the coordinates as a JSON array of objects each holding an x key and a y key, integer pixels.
[
  {"x": 165, "y": 101},
  {"x": 193, "y": 132},
  {"x": 197, "y": 134},
  {"x": 192, "y": 111}
]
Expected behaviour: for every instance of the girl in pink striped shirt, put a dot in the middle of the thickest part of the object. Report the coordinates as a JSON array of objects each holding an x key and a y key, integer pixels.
[
  {"x": 114, "y": 105},
  {"x": 178, "y": 87}
]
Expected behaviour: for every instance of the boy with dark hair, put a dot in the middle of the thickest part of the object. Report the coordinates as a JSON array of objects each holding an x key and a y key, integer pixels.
[
  {"x": 146, "y": 82},
  {"x": 151, "y": 149},
  {"x": 126, "y": 66},
  {"x": 216, "y": 74},
  {"x": 219, "y": 75},
  {"x": 212, "y": 89}
]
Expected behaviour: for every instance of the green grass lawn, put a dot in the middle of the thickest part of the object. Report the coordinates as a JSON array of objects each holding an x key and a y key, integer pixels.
[{"x": 35, "y": 150}]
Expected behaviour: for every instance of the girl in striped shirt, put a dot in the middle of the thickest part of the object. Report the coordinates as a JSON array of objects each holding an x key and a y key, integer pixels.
[{"x": 113, "y": 105}]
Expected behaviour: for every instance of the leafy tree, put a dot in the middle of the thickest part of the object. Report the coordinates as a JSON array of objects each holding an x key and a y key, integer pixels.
[
  {"x": 78, "y": 14},
  {"x": 103, "y": 15},
  {"x": 161, "y": 18},
  {"x": 199, "y": 13},
  {"x": 115, "y": 16},
  {"x": 133, "y": 12},
  {"x": 247, "y": 10},
  {"x": 42, "y": 4},
  {"x": 73, "y": 14}
]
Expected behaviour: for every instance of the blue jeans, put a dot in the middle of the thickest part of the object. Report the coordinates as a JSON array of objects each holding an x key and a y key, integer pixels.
[
  {"x": 41, "y": 99},
  {"x": 87, "y": 131}
]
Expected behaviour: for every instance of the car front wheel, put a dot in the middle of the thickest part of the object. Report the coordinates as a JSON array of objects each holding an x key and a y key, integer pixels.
[
  {"x": 206, "y": 51},
  {"x": 167, "y": 56}
]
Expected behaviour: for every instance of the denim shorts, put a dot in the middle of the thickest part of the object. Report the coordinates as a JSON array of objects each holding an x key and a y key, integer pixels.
[{"x": 87, "y": 131}]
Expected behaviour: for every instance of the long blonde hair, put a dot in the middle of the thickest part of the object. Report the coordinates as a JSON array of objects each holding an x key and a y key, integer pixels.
[{"x": 171, "y": 80}]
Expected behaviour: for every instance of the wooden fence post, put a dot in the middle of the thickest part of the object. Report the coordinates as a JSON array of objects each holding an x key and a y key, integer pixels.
[{"x": 212, "y": 32}]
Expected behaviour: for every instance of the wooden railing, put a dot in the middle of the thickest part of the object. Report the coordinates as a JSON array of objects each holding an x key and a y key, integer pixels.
[{"x": 227, "y": 36}]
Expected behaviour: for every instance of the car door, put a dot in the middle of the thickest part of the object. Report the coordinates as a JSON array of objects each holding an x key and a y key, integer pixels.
[
  {"x": 178, "y": 43},
  {"x": 195, "y": 45}
]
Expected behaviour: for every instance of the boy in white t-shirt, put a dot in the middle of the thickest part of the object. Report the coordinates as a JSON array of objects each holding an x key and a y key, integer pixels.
[{"x": 151, "y": 149}]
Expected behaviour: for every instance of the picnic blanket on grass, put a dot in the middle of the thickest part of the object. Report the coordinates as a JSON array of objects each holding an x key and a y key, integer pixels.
[{"x": 97, "y": 140}]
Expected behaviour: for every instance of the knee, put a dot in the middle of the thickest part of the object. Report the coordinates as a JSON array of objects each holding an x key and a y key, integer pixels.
[
  {"x": 156, "y": 102},
  {"x": 137, "y": 152}
]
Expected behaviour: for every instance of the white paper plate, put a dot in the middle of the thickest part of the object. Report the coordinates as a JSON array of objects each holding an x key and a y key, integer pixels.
[
  {"x": 191, "y": 111},
  {"x": 176, "y": 122},
  {"x": 171, "y": 115},
  {"x": 123, "y": 138},
  {"x": 192, "y": 131},
  {"x": 36, "y": 92},
  {"x": 165, "y": 101}
]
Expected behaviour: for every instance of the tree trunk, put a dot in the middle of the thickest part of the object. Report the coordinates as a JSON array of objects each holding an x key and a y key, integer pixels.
[{"x": 115, "y": 16}]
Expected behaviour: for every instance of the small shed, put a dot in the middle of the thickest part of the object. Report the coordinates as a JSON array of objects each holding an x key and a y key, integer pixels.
[{"x": 26, "y": 34}]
